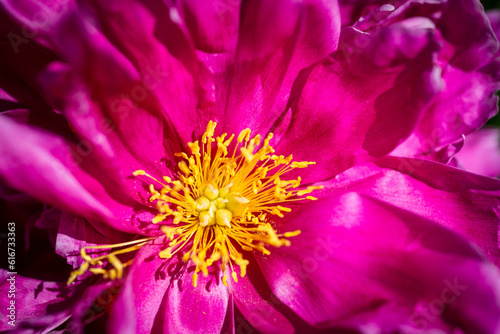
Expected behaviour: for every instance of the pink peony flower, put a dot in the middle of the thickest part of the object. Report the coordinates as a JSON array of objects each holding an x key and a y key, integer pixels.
[{"x": 119, "y": 117}]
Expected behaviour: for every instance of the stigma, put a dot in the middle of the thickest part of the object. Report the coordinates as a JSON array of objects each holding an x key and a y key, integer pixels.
[{"x": 222, "y": 201}]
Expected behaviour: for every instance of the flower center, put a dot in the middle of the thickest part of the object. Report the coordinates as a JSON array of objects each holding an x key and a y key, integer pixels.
[{"x": 221, "y": 202}]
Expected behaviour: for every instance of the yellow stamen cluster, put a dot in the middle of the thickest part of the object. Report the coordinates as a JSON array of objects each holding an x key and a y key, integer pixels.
[
  {"x": 220, "y": 205},
  {"x": 221, "y": 200}
]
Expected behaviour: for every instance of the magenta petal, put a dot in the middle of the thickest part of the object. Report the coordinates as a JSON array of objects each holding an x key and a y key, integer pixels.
[
  {"x": 44, "y": 166},
  {"x": 252, "y": 86},
  {"x": 55, "y": 185},
  {"x": 145, "y": 286},
  {"x": 481, "y": 152},
  {"x": 258, "y": 304},
  {"x": 156, "y": 285},
  {"x": 433, "y": 191},
  {"x": 213, "y": 25},
  {"x": 356, "y": 106},
  {"x": 465, "y": 104},
  {"x": 164, "y": 57},
  {"x": 355, "y": 255},
  {"x": 194, "y": 310}
]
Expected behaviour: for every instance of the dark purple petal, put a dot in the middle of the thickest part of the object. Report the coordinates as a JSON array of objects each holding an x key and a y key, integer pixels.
[
  {"x": 355, "y": 255},
  {"x": 465, "y": 26},
  {"x": 494, "y": 18},
  {"x": 75, "y": 232},
  {"x": 38, "y": 304},
  {"x": 351, "y": 10}
]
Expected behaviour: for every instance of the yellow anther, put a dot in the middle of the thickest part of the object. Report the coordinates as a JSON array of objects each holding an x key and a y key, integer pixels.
[
  {"x": 224, "y": 280},
  {"x": 291, "y": 234},
  {"x": 282, "y": 208},
  {"x": 159, "y": 218},
  {"x": 235, "y": 277},
  {"x": 301, "y": 164},
  {"x": 166, "y": 253},
  {"x": 311, "y": 198},
  {"x": 194, "y": 147},
  {"x": 285, "y": 242},
  {"x": 169, "y": 231},
  {"x": 255, "y": 141},
  {"x": 308, "y": 190},
  {"x": 195, "y": 279},
  {"x": 210, "y": 131},
  {"x": 277, "y": 212},
  {"x": 152, "y": 190},
  {"x": 247, "y": 153},
  {"x": 139, "y": 172},
  {"x": 84, "y": 255},
  {"x": 244, "y": 135},
  {"x": 186, "y": 256},
  {"x": 267, "y": 139},
  {"x": 228, "y": 142},
  {"x": 178, "y": 216},
  {"x": 113, "y": 260},
  {"x": 97, "y": 271},
  {"x": 184, "y": 168}
]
